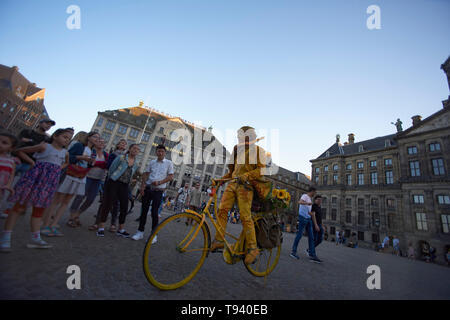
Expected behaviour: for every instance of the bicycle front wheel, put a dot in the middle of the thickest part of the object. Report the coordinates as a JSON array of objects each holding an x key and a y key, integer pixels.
[
  {"x": 179, "y": 252},
  {"x": 265, "y": 262}
]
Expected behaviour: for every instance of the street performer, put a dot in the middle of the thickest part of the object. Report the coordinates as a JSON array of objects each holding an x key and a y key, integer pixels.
[{"x": 246, "y": 167}]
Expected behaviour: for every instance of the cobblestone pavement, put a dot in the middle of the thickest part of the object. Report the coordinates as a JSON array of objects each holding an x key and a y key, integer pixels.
[{"x": 111, "y": 268}]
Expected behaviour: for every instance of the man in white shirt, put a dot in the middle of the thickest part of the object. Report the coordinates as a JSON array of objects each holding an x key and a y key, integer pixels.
[
  {"x": 305, "y": 220},
  {"x": 154, "y": 181}
]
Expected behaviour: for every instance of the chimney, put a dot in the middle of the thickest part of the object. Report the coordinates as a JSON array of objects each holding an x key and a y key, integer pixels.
[
  {"x": 351, "y": 138},
  {"x": 416, "y": 119}
]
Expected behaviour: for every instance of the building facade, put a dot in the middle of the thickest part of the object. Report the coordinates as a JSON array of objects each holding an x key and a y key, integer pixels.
[
  {"x": 21, "y": 102},
  {"x": 395, "y": 185}
]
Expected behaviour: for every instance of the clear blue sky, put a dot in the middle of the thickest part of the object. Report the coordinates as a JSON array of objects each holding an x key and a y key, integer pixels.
[{"x": 310, "y": 69}]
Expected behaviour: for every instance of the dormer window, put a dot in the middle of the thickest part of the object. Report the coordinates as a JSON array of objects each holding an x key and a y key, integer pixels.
[
  {"x": 327, "y": 154},
  {"x": 360, "y": 148},
  {"x": 387, "y": 143}
]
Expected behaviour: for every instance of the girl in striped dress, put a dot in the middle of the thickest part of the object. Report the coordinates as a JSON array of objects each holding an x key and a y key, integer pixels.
[
  {"x": 37, "y": 186},
  {"x": 7, "y": 163}
]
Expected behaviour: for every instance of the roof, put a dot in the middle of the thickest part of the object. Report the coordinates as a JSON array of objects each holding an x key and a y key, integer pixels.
[{"x": 378, "y": 143}]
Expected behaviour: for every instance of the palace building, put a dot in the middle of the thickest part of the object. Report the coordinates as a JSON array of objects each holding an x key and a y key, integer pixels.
[
  {"x": 394, "y": 185},
  {"x": 21, "y": 102}
]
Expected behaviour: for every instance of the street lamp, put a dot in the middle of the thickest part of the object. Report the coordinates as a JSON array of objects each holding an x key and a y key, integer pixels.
[{"x": 146, "y": 122}]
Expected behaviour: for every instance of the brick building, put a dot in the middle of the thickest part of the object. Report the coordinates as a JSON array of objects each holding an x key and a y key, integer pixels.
[{"x": 21, "y": 102}]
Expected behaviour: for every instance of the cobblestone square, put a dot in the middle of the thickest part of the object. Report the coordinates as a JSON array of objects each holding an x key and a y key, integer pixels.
[{"x": 111, "y": 268}]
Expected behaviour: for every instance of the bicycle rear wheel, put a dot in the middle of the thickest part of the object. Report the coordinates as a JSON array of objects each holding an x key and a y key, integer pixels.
[
  {"x": 265, "y": 263},
  {"x": 179, "y": 252}
]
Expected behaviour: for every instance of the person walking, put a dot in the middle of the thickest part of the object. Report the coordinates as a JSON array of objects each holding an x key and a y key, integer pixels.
[
  {"x": 305, "y": 221},
  {"x": 120, "y": 174},
  {"x": 37, "y": 187},
  {"x": 154, "y": 181},
  {"x": 316, "y": 216},
  {"x": 181, "y": 198},
  {"x": 193, "y": 200},
  {"x": 396, "y": 246}
]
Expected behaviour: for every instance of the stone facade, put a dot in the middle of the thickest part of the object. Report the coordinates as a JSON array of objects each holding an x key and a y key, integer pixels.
[
  {"x": 396, "y": 185},
  {"x": 21, "y": 102}
]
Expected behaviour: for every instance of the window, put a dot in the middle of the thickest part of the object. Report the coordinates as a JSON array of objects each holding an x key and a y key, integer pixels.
[
  {"x": 361, "y": 235},
  {"x": 348, "y": 166},
  {"x": 360, "y": 202},
  {"x": 106, "y": 136},
  {"x": 360, "y": 179},
  {"x": 373, "y": 163},
  {"x": 360, "y": 165},
  {"x": 324, "y": 213},
  {"x": 418, "y": 199},
  {"x": 414, "y": 168},
  {"x": 145, "y": 137},
  {"x": 375, "y": 219},
  {"x": 333, "y": 214},
  {"x": 317, "y": 170},
  {"x": 360, "y": 148},
  {"x": 435, "y": 146},
  {"x": 438, "y": 167},
  {"x": 390, "y": 203},
  {"x": 348, "y": 201},
  {"x": 412, "y": 150},
  {"x": 348, "y": 216},
  {"x": 421, "y": 220},
  {"x": 334, "y": 200},
  {"x": 374, "y": 202},
  {"x": 110, "y": 125},
  {"x": 375, "y": 238},
  {"x": 387, "y": 143},
  {"x": 374, "y": 177},
  {"x": 391, "y": 221},
  {"x": 389, "y": 177},
  {"x": 325, "y": 168},
  {"x": 388, "y": 162},
  {"x": 316, "y": 179},
  {"x": 349, "y": 179},
  {"x": 335, "y": 167},
  {"x": 445, "y": 218},
  {"x": 161, "y": 130},
  {"x": 443, "y": 199},
  {"x": 100, "y": 122},
  {"x": 325, "y": 180},
  {"x": 134, "y": 133},
  {"x": 335, "y": 178},
  {"x": 332, "y": 230},
  {"x": 122, "y": 129},
  {"x": 361, "y": 217}
]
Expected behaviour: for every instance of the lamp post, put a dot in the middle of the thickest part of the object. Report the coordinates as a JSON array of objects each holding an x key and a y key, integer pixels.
[{"x": 146, "y": 122}]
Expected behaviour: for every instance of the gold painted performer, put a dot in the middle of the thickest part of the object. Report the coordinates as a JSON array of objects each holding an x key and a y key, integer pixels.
[{"x": 247, "y": 165}]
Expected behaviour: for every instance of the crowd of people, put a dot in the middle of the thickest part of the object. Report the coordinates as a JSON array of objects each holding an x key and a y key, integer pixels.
[{"x": 51, "y": 174}]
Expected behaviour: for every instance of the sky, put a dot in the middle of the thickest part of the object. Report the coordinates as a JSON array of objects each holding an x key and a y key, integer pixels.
[{"x": 299, "y": 72}]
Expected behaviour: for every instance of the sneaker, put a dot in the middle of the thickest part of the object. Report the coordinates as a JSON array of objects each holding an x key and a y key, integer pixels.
[
  {"x": 295, "y": 256},
  {"x": 5, "y": 246},
  {"x": 155, "y": 239},
  {"x": 216, "y": 245},
  {"x": 56, "y": 232},
  {"x": 123, "y": 234},
  {"x": 38, "y": 244},
  {"x": 100, "y": 233},
  {"x": 250, "y": 257},
  {"x": 138, "y": 236},
  {"x": 315, "y": 259},
  {"x": 46, "y": 231}
]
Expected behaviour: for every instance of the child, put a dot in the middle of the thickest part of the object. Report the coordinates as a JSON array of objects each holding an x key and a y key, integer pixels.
[
  {"x": 37, "y": 187},
  {"x": 80, "y": 155},
  {"x": 7, "y": 163}
]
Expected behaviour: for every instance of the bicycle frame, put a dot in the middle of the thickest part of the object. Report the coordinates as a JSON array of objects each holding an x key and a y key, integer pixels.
[{"x": 216, "y": 226}]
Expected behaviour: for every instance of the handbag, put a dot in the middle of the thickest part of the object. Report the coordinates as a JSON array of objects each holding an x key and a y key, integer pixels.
[{"x": 77, "y": 171}]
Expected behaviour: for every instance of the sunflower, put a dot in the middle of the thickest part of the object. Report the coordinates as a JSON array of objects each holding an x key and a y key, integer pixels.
[{"x": 282, "y": 194}]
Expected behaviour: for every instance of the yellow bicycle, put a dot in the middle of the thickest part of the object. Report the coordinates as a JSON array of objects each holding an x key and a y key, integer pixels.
[{"x": 182, "y": 247}]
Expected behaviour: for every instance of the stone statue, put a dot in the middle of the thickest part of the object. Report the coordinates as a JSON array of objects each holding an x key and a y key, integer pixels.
[
  {"x": 398, "y": 124},
  {"x": 338, "y": 138}
]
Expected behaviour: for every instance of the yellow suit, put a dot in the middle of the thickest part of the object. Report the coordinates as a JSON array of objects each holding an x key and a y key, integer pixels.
[{"x": 247, "y": 165}]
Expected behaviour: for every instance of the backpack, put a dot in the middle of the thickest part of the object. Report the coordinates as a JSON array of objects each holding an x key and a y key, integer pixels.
[{"x": 268, "y": 232}]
